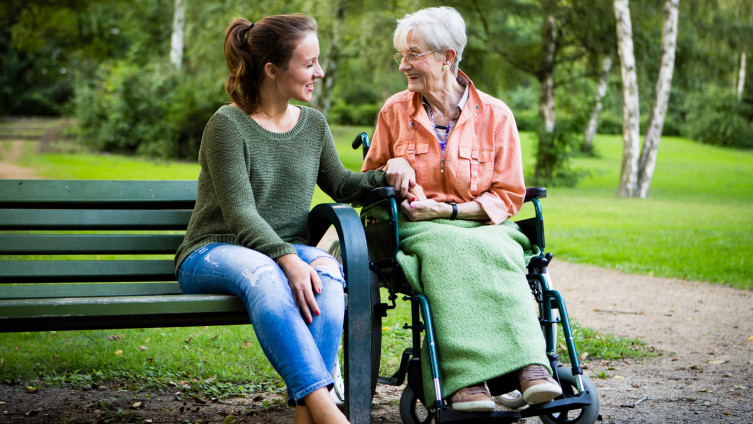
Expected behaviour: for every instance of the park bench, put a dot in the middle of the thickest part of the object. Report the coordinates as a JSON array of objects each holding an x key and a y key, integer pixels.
[{"x": 86, "y": 254}]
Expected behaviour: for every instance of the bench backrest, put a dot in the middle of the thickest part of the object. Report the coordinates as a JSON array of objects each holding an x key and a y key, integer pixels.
[{"x": 108, "y": 232}]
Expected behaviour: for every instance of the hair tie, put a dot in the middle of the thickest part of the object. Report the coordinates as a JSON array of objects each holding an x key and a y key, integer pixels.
[{"x": 245, "y": 31}]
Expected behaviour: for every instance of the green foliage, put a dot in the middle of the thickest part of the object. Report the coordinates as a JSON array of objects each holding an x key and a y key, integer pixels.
[
  {"x": 553, "y": 153},
  {"x": 717, "y": 117},
  {"x": 149, "y": 110},
  {"x": 359, "y": 114}
]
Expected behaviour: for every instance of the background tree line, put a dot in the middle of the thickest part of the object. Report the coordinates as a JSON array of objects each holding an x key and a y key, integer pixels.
[{"x": 115, "y": 66}]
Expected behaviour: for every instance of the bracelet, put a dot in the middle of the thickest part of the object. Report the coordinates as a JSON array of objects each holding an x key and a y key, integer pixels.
[{"x": 454, "y": 214}]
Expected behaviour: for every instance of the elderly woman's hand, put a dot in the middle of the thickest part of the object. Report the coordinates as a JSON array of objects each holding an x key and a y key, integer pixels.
[
  {"x": 421, "y": 210},
  {"x": 400, "y": 175}
]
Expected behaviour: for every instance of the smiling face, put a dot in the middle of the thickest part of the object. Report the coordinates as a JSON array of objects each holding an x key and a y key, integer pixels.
[
  {"x": 425, "y": 73},
  {"x": 297, "y": 80}
]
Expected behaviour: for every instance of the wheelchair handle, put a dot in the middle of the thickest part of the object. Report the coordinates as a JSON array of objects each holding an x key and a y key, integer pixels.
[{"x": 361, "y": 140}]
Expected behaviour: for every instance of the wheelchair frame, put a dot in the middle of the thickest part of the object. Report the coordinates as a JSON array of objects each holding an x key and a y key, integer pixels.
[{"x": 578, "y": 394}]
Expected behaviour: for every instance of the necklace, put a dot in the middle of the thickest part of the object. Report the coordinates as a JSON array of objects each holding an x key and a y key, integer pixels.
[
  {"x": 440, "y": 138},
  {"x": 265, "y": 121}
]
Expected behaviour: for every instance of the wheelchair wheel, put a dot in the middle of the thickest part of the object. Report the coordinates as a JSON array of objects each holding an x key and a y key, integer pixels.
[
  {"x": 512, "y": 400},
  {"x": 412, "y": 411},
  {"x": 376, "y": 338},
  {"x": 586, "y": 415}
]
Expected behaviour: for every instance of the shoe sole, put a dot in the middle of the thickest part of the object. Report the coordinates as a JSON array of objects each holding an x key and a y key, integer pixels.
[
  {"x": 537, "y": 394},
  {"x": 475, "y": 406}
]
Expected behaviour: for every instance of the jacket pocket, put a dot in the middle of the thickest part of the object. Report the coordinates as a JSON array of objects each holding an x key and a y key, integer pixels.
[{"x": 475, "y": 169}]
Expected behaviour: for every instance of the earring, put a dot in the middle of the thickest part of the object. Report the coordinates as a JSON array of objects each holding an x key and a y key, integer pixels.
[{"x": 446, "y": 68}]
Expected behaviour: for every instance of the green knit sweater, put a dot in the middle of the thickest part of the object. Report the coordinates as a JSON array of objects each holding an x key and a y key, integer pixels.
[{"x": 255, "y": 186}]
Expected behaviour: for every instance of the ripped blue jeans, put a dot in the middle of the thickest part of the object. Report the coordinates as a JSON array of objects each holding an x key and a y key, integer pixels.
[{"x": 304, "y": 355}]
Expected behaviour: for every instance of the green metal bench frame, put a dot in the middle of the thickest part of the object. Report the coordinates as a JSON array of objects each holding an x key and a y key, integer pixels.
[{"x": 103, "y": 220}]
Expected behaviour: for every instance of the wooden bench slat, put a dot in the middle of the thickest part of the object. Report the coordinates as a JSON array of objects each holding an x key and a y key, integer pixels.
[
  {"x": 72, "y": 244},
  {"x": 38, "y": 290},
  {"x": 86, "y": 271},
  {"x": 93, "y": 219},
  {"x": 119, "y": 305},
  {"x": 121, "y": 312},
  {"x": 97, "y": 193}
]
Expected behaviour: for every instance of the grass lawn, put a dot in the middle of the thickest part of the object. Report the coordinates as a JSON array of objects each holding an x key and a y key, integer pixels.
[{"x": 697, "y": 224}]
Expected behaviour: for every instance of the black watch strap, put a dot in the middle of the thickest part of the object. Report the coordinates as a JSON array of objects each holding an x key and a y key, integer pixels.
[{"x": 454, "y": 211}]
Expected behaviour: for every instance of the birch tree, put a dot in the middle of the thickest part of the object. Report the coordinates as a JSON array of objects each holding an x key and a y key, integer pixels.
[
  {"x": 176, "y": 40},
  {"x": 661, "y": 97},
  {"x": 630, "y": 109},
  {"x": 322, "y": 99},
  {"x": 601, "y": 91},
  {"x": 743, "y": 65}
]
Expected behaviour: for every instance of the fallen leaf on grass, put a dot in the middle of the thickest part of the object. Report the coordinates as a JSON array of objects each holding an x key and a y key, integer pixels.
[
  {"x": 750, "y": 338},
  {"x": 229, "y": 420},
  {"x": 31, "y": 389},
  {"x": 119, "y": 352},
  {"x": 137, "y": 405},
  {"x": 618, "y": 377},
  {"x": 212, "y": 338},
  {"x": 142, "y": 347}
]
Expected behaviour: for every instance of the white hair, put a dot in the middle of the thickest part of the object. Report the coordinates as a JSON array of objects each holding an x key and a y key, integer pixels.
[{"x": 440, "y": 27}]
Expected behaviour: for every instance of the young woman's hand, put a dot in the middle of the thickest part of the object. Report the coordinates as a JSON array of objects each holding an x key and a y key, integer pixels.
[
  {"x": 400, "y": 175},
  {"x": 303, "y": 280}
]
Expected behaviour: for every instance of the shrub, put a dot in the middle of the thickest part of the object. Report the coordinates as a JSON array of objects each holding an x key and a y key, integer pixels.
[
  {"x": 152, "y": 110},
  {"x": 716, "y": 117},
  {"x": 346, "y": 114}
]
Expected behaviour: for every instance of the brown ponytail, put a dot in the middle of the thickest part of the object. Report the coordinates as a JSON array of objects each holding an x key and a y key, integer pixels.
[{"x": 249, "y": 46}]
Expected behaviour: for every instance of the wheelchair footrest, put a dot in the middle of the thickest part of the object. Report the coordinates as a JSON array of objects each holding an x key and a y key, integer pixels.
[
  {"x": 559, "y": 405},
  {"x": 449, "y": 415}
]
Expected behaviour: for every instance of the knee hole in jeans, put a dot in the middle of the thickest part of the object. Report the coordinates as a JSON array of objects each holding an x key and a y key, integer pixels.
[{"x": 328, "y": 266}]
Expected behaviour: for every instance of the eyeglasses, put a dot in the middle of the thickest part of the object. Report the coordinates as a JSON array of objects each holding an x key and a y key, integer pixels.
[{"x": 411, "y": 58}]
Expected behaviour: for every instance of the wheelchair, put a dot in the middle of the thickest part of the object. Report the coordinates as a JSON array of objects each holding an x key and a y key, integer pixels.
[{"x": 579, "y": 402}]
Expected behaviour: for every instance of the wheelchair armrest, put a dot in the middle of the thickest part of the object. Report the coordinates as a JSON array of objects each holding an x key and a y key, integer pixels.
[
  {"x": 535, "y": 193},
  {"x": 355, "y": 260}
]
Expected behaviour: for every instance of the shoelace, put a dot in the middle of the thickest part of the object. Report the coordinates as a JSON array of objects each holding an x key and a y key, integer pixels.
[
  {"x": 474, "y": 390},
  {"x": 535, "y": 373}
]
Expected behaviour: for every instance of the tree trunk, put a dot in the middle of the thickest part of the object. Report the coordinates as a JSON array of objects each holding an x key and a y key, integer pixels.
[
  {"x": 176, "y": 41},
  {"x": 630, "y": 110},
  {"x": 743, "y": 66},
  {"x": 546, "y": 156},
  {"x": 661, "y": 97},
  {"x": 601, "y": 90},
  {"x": 323, "y": 99}
]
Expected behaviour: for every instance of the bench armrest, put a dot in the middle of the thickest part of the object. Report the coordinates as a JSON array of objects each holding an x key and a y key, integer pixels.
[{"x": 357, "y": 345}]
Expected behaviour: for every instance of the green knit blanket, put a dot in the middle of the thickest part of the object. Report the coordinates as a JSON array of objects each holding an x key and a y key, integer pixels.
[{"x": 473, "y": 274}]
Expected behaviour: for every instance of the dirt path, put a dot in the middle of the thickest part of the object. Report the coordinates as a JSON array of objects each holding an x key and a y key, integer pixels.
[
  {"x": 10, "y": 152},
  {"x": 703, "y": 373}
]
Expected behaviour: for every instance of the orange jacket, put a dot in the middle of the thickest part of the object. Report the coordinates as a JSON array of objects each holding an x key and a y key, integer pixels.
[{"x": 482, "y": 158}]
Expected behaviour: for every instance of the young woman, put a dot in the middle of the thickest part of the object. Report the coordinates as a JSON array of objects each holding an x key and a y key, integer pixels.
[{"x": 260, "y": 161}]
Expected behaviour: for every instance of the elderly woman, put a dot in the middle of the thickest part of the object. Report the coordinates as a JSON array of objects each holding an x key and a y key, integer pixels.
[{"x": 457, "y": 246}]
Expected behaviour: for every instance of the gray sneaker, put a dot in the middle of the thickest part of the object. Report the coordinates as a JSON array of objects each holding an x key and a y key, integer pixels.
[
  {"x": 537, "y": 385},
  {"x": 472, "y": 398}
]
